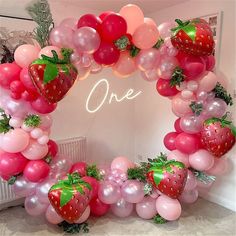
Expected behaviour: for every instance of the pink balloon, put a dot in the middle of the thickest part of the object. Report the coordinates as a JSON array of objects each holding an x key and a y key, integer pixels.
[
  {"x": 179, "y": 156},
  {"x": 166, "y": 66},
  {"x": 23, "y": 188},
  {"x": 210, "y": 62},
  {"x": 36, "y": 133},
  {"x": 12, "y": 163},
  {"x": 192, "y": 85},
  {"x": 14, "y": 141},
  {"x": 122, "y": 208},
  {"x": 191, "y": 182},
  {"x": 52, "y": 216},
  {"x": 26, "y": 80},
  {"x": 43, "y": 140},
  {"x": 169, "y": 209},
  {"x": 83, "y": 72},
  {"x": 145, "y": 36},
  {"x": 122, "y": 163},
  {"x": 191, "y": 124},
  {"x": 133, "y": 15},
  {"x": 76, "y": 57},
  {"x": 201, "y": 160},
  {"x": 187, "y": 94},
  {"x": 189, "y": 197},
  {"x": 216, "y": 108},
  {"x": 69, "y": 23},
  {"x": 86, "y": 60},
  {"x": 147, "y": 59},
  {"x": 220, "y": 167},
  {"x": 15, "y": 122},
  {"x": 95, "y": 67},
  {"x": 169, "y": 140},
  {"x": 86, "y": 40},
  {"x": 34, "y": 207},
  {"x": 132, "y": 191},
  {"x": 84, "y": 216},
  {"x": 177, "y": 126},
  {"x": 109, "y": 192},
  {"x": 25, "y": 54},
  {"x": 150, "y": 21},
  {"x": 187, "y": 143},
  {"x": 46, "y": 122},
  {"x": 125, "y": 66},
  {"x": 35, "y": 151},
  {"x": 42, "y": 106},
  {"x": 165, "y": 29},
  {"x": 146, "y": 209},
  {"x": 61, "y": 163},
  {"x": 208, "y": 82},
  {"x": 150, "y": 75},
  {"x": 61, "y": 36},
  {"x": 180, "y": 107},
  {"x": 47, "y": 51}
]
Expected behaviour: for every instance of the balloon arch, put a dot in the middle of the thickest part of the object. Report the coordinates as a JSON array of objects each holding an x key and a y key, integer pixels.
[{"x": 178, "y": 56}]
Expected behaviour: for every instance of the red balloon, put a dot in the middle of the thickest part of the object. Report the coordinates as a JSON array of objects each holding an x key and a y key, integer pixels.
[
  {"x": 12, "y": 163},
  {"x": 104, "y": 14},
  {"x": 52, "y": 148},
  {"x": 42, "y": 106},
  {"x": 29, "y": 96},
  {"x": 113, "y": 27},
  {"x": 8, "y": 73},
  {"x": 79, "y": 167},
  {"x": 169, "y": 140},
  {"x": 107, "y": 54},
  {"x": 187, "y": 143},
  {"x": 90, "y": 20},
  {"x": 94, "y": 184},
  {"x": 17, "y": 86},
  {"x": 37, "y": 170},
  {"x": 98, "y": 208},
  {"x": 177, "y": 126},
  {"x": 15, "y": 95},
  {"x": 26, "y": 80},
  {"x": 163, "y": 88}
]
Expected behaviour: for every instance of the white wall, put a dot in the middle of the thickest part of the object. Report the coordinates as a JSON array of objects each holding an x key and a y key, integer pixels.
[{"x": 153, "y": 116}]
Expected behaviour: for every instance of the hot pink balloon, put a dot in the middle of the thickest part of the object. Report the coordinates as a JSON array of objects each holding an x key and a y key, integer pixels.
[
  {"x": 34, "y": 207},
  {"x": 177, "y": 126},
  {"x": 201, "y": 160},
  {"x": 146, "y": 209},
  {"x": 191, "y": 124},
  {"x": 125, "y": 66},
  {"x": 169, "y": 140},
  {"x": 179, "y": 156},
  {"x": 109, "y": 192},
  {"x": 52, "y": 216},
  {"x": 122, "y": 163},
  {"x": 191, "y": 182},
  {"x": 132, "y": 191},
  {"x": 86, "y": 40},
  {"x": 84, "y": 216},
  {"x": 145, "y": 36},
  {"x": 61, "y": 36},
  {"x": 150, "y": 75},
  {"x": 47, "y": 51},
  {"x": 189, "y": 197},
  {"x": 220, "y": 167},
  {"x": 14, "y": 141},
  {"x": 122, "y": 208},
  {"x": 180, "y": 107},
  {"x": 147, "y": 59},
  {"x": 168, "y": 208},
  {"x": 133, "y": 16},
  {"x": 69, "y": 23},
  {"x": 208, "y": 82},
  {"x": 166, "y": 67},
  {"x": 165, "y": 29},
  {"x": 210, "y": 62},
  {"x": 42, "y": 106},
  {"x": 25, "y": 54}
]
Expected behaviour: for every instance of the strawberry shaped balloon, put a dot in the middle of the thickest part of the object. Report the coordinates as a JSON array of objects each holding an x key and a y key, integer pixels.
[
  {"x": 169, "y": 177},
  {"x": 193, "y": 37},
  {"x": 53, "y": 77},
  {"x": 218, "y": 135},
  {"x": 70, "y": 197}
]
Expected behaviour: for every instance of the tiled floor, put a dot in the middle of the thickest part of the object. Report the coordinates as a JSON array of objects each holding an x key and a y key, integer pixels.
[{"x": 202, "y": 218}]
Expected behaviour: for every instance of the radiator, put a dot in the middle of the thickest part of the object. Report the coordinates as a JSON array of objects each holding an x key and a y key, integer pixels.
[{"x": 74, "y": 148}]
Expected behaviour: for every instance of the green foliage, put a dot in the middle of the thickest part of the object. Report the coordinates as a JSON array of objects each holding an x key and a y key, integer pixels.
[
  {"x": 221, "y": 92},
  {"x": 74, "y": 228},
  {"x": 159, "y": 220},
  {"x": 32, "y": 121},
  {"x": 177, "y": 77},
  {"x": 196, "y": 108},
  {"x": 134, "y": 51},
  {"x": 159, "y": 43},
  {"x": 93, "y": 171},
  {"x": 4, "y": 122},
  {"x": 138, "y": 172}
]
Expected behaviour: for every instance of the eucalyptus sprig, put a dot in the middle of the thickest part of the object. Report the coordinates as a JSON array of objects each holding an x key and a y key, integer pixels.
[
  {"x": 159, "y": 220},
  {"x": 32, "y": 121},
  {"x": 93, "y": 171},
  {"x": 196, "y": 108},
  {"x": 221, "y": 92},
  {"x": 177, "y": 77},
  {"x": 74, "y": 228},
  {"x": 4, "y": 122}
]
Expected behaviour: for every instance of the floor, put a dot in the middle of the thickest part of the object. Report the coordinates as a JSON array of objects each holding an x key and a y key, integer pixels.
[{"x": 201, "y": 219}]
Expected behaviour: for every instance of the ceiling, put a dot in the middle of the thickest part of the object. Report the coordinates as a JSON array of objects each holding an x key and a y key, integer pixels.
[{"x": 17, "y": 7}]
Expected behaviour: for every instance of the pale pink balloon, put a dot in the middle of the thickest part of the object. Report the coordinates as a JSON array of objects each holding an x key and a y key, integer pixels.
[
  {"x": 14, "y": 141},
  {"x": 132, "y": 191},
  {"x": 201, "y": 160},
  {"x": 133, "y": 15},
  {"x": 179, "y": 156},
  {"x": 43, "y": 139},
  {"x": 146, "y": 209},
  {"x": 52, "y": 216},
  {"x": 47, "y": 51},
  {"x": 208, "y": 82},
  {"x": 122, "y": 163},
  {"x": 15, "y": 122},
  {"x": 189, "y": 197},
  {"x": 61, "y": 36},
  {"x": 172, "y": 51},
  {"x": 150, "y": 75},
  {"x": 122, "y": 208},
  {"x": 125, "y": 66},
  {"x": 95, "y": 67},
  {"x": 180, "y": 107},
  {"x": 220, "y": 167},
  {"x": 216, "y": 108},
  {"x": 168, "y": 208},
  {"x": 34, "y": 207},
  {"x": 191, "y": 124},
  {"x": 25, "y": 54},
  {"x": 36, "y": 133},
  {"x": 86, "y": 60},
  {"x": 84, "y": 216},
  {"x": 83, "y": 72},
  {"x": 26, "y": 128},
  {"x": 147, "y": 59},
  {"x": 60, "y": 163},
  {"x": 35, "y": 151},
  {"x": 145, "y": 36},
  {"x": 150, "y": 21},
  {"x": 191, "y": 182},
  {"x": 69, "y": 23},
  {"x": 76, "y": 57},
  {"x": 46, "y": 121},
  {"x": 165, "y": 29},
  {"x": 187, "y": 94},
  {"x": 192, "y": 85}
]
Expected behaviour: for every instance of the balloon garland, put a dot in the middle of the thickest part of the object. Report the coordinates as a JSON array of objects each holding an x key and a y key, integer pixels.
[{"x": 177, "y": 55}]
